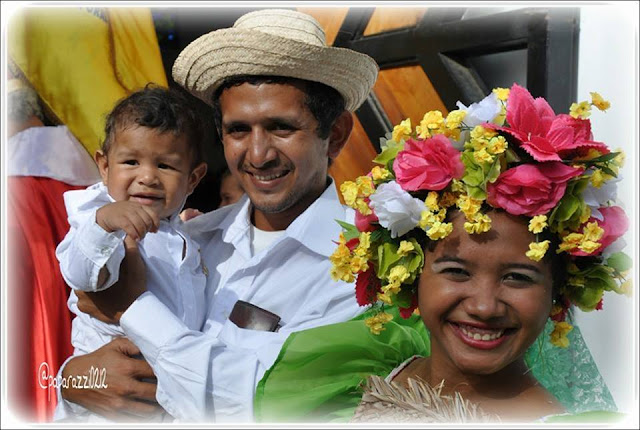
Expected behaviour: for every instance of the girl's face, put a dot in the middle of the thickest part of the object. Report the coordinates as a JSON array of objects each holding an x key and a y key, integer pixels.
[{"x": 482, "y": 299}]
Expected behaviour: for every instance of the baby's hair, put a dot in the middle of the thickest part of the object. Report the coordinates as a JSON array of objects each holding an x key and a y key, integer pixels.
[{"x": 161, "y": 109}]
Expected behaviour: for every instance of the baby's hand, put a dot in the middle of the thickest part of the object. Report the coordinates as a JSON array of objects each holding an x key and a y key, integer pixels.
[{"x": 135, "y": 219}]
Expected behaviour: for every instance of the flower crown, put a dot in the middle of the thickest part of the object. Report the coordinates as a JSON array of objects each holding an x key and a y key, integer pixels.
[{"x": 508, "y": 151}]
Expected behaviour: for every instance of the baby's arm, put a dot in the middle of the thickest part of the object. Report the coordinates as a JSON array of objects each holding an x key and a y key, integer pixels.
[{"x": 91, "y": 253}]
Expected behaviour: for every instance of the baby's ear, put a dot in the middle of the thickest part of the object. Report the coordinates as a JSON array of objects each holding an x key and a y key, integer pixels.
[
  {"x": 103, "y": 164},
  {"x": 196, "y": 176}
]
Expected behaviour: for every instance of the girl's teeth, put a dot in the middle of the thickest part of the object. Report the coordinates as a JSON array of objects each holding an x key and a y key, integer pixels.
[{"x": 485, "y": 337}]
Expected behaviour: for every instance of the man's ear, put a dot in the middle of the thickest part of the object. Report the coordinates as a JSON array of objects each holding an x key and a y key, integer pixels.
[
  {"x": 340, "y": 132},
  {"x": 196, "y": 176},
  {"x": 103, "y": 164}
]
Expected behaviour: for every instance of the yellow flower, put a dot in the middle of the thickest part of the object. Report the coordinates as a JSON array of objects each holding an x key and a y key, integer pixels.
[
  {"x": 454, "y": 119},
  {"x": 427, "y": 218},
  {"x": 626, "y": 288},
  {"x": 402, "y": 131},
  {"x": 358, "y": 264},
  {"x": 620, "y": 158},
  {"x": 482, "y": 156},
  {"x": 405, "y": 248},
  {"x": 497, "y": 145},
  {"x": 592, "y": 231},
  {"x": 580, "y": 110},
  {"x": 585, "y": 214},
  {"x": 599, "y": 102},
  {"x": 502, "y": 93},
  {"x": 555, "y": 310},
  {"x": 480, "y": 132},
  {"x": 385, "y": 298},
  {"x": 439, "y": 230},
  {"x": 570, "y": 242},
  {"x": 432, "y": 123},
  {"x": 432, "y": 201},
  {"x": 448, "y": 199},
  {"x": 364, "y": 242},
  {"x": 537, "y": 250},
  {"x": 559, "y": 334},
  {"x": 376, "y": 323},
  {"x": 398, "y": 274},
  {"x": 481, "y": 223},
  {"x": 469, "y": 206},
  {"x": 354, "y": 193},
  {"x": 597, "y": 178},
  {"x": 391, "y": 288},
  {"x": 457, "y": 186},
  {"x": 589, "y": 246},
  {"x": 537, "y": 224},
  {"x": 380, "y": 173}
]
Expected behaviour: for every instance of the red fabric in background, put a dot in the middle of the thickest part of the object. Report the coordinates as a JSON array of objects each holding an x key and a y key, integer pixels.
[{"x": 39, "y": 322}]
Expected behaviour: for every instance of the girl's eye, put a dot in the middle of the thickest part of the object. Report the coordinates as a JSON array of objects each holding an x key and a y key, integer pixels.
[
  {"x": 131, "y": 162},
  {"x": 455, "y": 272},
  {"x": 164, "y": 166},
  {"x": 518, "y": 278}
]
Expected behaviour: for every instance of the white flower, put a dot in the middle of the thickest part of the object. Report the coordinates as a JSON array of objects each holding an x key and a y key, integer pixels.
[
  {"x": 599, "y": 197},
  {"x": 486, "y": 110},
  {"x": 396, "y": 209}
]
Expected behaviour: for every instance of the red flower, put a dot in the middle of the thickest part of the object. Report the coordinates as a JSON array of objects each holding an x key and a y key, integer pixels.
[
  {"x": 542, "y": 134},
  {"x": 367, "y": 287},
  {"x": 407, "y": 312},
  {"x": 531, "y": 189},
  {"x": 428, "y": 165},
  {"x": 599, "y": 305}
]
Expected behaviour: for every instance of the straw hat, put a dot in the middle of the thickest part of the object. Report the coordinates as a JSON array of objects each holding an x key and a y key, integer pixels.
[{"x": 276, "y": 43}]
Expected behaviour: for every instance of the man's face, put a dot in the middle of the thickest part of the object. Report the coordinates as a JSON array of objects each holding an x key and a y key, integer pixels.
[{"x": 272, "y": 149}]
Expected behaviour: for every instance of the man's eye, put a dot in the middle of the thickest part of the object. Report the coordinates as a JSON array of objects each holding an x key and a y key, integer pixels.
[
  {"x": 283, "y": 128},
  {"x": 237, "y": 130}
]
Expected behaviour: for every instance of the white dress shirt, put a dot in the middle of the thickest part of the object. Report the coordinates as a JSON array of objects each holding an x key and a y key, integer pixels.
[
  {"x": 212, "y": 374},
  {"x": 177, "y": 282}
]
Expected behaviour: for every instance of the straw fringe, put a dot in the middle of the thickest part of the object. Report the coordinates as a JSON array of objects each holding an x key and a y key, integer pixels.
[{"x": 389, "y": 402}]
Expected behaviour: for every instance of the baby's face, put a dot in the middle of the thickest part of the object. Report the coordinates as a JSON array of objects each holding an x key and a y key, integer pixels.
[{"x": 151, "y": 168}]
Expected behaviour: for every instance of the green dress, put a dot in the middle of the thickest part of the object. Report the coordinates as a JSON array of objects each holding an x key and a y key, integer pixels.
[{"x": 320, "y": 373}]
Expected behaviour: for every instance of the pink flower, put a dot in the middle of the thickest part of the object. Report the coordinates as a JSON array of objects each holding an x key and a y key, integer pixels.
[
  {"x": 542, "y": 134},
  {"x": 614, "y": 223},
  {"x": 531, "y": 189},
  {"x": 366, "y": 222},
  {"x": 428, "y": 165}
]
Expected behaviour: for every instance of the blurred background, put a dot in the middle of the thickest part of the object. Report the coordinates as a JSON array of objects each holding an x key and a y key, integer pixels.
[{"x": 81, "y": 60}]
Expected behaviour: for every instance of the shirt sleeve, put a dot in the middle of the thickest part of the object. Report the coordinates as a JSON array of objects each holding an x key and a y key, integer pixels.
[
  {"x": 86, "y": 249},
  {"x": 211, "y": 374}
]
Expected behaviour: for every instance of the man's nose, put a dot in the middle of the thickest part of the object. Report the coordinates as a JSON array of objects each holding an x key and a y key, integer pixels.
[
  {"x": 261, "y": 151},
  {"x": 484, "y": 301}
]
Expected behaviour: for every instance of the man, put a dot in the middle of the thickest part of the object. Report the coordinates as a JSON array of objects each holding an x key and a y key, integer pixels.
[{"x": 282, "y": 100}]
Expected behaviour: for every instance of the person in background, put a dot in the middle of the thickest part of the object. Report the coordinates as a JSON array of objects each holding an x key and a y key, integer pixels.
[{"x": 230, "y": 189}]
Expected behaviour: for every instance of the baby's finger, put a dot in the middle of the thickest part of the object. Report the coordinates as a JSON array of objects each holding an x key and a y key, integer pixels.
[{"x": 152, "y": 217}]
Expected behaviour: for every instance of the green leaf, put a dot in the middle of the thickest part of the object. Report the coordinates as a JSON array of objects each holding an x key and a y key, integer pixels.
[
  {"x": 608, "y": 171},
  {"x": 620, "y": 261},
  {"x": 350, "y": 230},
  {"x": 389, "y": 153},
  {"x": 387, "y": 257},
  {"x": 403, "y": 298}
]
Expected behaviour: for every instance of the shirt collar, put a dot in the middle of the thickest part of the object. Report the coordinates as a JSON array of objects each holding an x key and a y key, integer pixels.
[{"x": 316, "y": 228}]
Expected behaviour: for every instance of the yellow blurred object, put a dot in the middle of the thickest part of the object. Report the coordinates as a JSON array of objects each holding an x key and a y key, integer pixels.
[{"x": 81, "y": 63}]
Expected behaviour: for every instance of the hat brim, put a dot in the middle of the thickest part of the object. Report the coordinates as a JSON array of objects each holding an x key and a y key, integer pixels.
[{"x": 207, "y": 61}]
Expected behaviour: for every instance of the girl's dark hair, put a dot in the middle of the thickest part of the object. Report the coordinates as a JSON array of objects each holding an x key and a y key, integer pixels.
[
  {"x": 164, "y": 110},
  {"x": 324, "y": 103}
]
